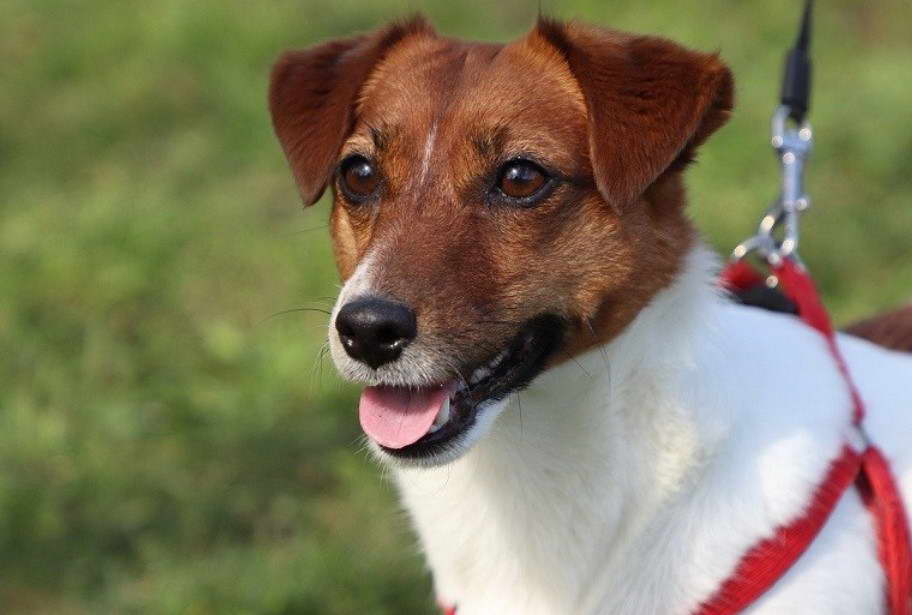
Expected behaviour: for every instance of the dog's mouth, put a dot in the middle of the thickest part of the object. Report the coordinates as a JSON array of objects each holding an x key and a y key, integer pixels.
[{"x": 414, "y": 423}]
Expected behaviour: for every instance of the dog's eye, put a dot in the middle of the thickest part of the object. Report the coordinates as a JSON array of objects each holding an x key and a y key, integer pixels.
[
  {"x": 359, "y": 177},
  {"x": 521, "y": 179}
]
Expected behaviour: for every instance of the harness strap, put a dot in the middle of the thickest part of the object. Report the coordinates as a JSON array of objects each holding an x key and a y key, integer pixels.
[
  {"x": 771, "y": 558},
  {"x": 875, "y": 482},
  {"x": 882, "y": 497},
  {"x": 799, "y": 286}
]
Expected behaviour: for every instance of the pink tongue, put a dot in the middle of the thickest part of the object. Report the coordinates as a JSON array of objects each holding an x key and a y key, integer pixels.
[{"x": 397, "y": 416}]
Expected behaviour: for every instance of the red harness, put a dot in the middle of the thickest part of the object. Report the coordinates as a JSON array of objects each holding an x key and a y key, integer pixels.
[
  {"x": 766, "y": 562},
  {"x": 868, "y": 470}
]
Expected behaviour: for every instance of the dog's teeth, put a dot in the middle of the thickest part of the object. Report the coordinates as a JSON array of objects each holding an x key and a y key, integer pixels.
[
  {"x": 442, "y": 417},
  {"x": 479, "y": 374},
  {"x": 485, "y": 370}
]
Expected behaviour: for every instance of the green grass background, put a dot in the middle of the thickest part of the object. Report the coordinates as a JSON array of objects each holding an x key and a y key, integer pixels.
[{"x": 169, "y": 442}]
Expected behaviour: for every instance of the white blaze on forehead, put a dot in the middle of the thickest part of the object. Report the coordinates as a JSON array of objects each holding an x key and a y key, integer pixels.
[{"x": 428, "y": 152}]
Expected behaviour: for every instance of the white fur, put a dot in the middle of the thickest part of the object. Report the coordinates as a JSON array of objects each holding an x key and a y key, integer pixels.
[
  {"x": 632, "y": 481},
  {"x": 428, "y": 152}
]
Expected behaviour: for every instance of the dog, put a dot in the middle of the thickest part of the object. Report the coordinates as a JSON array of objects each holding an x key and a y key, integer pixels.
[{"x": 578, "y": 419}]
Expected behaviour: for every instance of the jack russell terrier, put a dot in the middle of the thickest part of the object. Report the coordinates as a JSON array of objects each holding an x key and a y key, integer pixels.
[{"x": 578, "y": 420}]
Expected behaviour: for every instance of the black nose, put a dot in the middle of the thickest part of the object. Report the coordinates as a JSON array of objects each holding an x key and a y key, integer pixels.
[{"x": 375, "y": 330}]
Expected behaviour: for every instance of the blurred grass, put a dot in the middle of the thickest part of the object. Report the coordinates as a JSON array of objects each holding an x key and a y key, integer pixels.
[{"x": 169, "y": 442}]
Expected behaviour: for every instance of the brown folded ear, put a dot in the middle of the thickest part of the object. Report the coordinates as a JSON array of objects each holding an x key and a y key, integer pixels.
[
  {"x": 650, "y": 102},
  {"x": 312, "y": 98}
]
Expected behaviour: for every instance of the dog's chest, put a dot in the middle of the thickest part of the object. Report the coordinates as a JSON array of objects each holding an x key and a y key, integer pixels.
[
  {"x": 521, "y": 523},
  {"x": 513, "y": 551}
]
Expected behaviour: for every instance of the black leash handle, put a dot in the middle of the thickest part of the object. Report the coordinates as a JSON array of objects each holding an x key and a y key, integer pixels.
[
  {"x": 796, "y": 82},
  {"x": 778, "y": 233}
]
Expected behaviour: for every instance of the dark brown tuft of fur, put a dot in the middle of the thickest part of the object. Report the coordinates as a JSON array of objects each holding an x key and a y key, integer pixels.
[{"x": 892, "y": 330}]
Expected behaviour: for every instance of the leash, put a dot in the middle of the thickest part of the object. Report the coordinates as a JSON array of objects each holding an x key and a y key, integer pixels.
[{"x": 860, "y": 463}]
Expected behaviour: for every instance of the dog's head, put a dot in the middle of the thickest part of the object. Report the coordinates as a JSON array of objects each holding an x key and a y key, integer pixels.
[{"x": 497, "y": 208}]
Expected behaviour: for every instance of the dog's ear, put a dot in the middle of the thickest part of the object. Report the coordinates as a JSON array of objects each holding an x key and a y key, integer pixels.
[
  {"x": 313, "y": 94},
  {"x": 650, "y": 102}
]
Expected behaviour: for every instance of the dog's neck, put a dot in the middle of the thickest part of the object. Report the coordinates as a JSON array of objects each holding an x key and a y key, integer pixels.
[{"x": 536, "y": 486}]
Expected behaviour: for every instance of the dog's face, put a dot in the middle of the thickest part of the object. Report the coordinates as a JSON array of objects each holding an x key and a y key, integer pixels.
[{"x": 497, "y": 208}]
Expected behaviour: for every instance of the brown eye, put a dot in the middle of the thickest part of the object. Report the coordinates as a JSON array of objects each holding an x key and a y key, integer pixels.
[
  {"x": 521, "y": 179},
  {"x": 359, "y": 178}
]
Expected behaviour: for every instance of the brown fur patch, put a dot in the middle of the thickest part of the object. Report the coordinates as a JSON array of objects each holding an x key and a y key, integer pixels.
[
  {"x": 891, "y": 330},
  {"x": 611, "y": 117}
]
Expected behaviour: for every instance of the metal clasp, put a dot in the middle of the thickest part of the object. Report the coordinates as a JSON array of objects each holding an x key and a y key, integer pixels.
[{"x": 792, "y": 142}]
